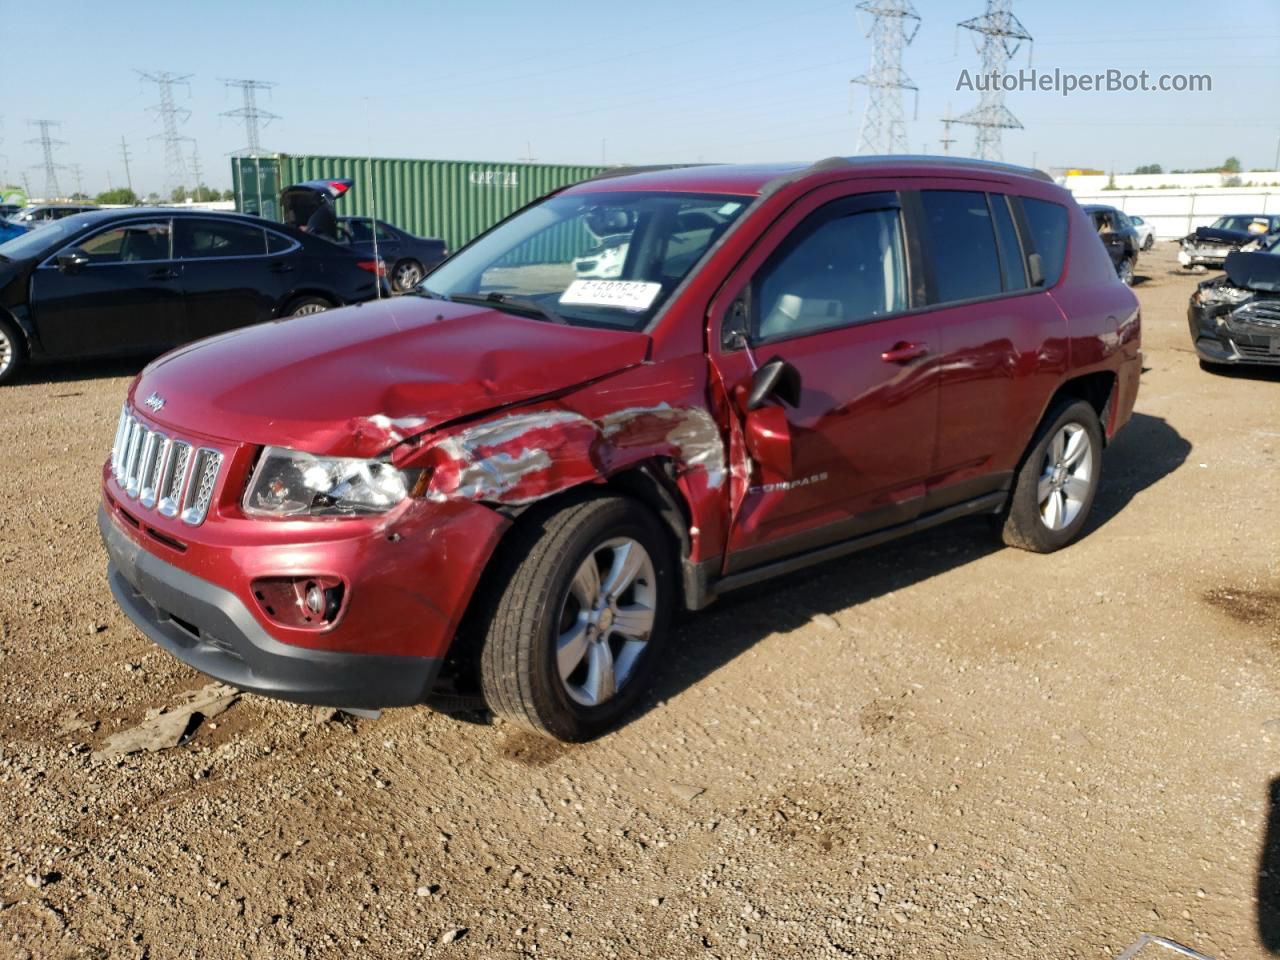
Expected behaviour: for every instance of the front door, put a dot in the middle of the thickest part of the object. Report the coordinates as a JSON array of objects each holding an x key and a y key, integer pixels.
[
  {"x": 830, "y": 291},
  {"x": 126, "y": 296}
]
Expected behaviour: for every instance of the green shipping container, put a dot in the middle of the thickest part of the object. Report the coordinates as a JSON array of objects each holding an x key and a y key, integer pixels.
[{"x": 453, "y": 200}]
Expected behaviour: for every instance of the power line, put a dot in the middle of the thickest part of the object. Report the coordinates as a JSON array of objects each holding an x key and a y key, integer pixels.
[
  {"x": 47, "y": 143},
  {"x": 1002, "y": 34},
  {"x": 170, "y": 114},
  {"x": 883, "y": 128},
  {"x": 254, "y": 117}
]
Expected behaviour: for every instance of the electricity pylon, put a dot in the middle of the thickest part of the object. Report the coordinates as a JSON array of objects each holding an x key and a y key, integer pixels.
[
  {"x": 893, "y": 25},
  {"x": 254, "y": 116},
  {"x": 47, "y": 143},
  {"x": 998, "y": 36},
  {"x": 170, "y": 114}
]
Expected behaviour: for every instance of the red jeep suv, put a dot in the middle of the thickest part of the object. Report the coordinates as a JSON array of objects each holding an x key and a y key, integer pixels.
[{"x": 636, "y": 394}]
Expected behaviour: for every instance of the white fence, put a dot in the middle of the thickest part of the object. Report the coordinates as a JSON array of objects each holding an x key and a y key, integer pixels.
[
  {"x": 1175, "y": 213},
  {"x": 1090, "y": 183}
]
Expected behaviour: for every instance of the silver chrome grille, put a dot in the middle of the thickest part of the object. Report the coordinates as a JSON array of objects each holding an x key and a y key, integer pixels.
[{"x": 163, "y": 472}]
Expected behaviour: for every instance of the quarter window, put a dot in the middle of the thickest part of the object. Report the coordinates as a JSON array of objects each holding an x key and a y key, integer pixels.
[
  {"x": 962, "y": 245},
  {"x": 201, "y": 239},
  {"x": 1048, "y": 223},
  {"x": 129, "y": 243},
  {"x": 834, "y": 271}
]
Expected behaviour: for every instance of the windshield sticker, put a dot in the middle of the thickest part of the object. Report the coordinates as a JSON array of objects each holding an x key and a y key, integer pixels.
[{"x": 634, "y": 295}]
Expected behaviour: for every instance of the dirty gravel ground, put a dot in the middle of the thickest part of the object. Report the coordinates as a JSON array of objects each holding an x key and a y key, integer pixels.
[{"x": 935, "y": 749}]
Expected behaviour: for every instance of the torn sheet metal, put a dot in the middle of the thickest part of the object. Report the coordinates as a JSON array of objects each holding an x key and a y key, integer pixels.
[{"x": 524, "y": 457}]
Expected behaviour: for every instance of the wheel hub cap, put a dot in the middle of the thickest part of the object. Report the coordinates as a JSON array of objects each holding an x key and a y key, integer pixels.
[{"x": 1066, "y": 479}]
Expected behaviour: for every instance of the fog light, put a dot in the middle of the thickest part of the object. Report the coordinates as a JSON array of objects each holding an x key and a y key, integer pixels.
[{"x": 305, "y": 602}]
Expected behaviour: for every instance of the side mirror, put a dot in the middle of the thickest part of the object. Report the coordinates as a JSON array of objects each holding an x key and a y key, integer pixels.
[
  {"x": 71, "y": 260},
  {"x": 768, "y": 438},
  {"x": 1035, "y": 267},
  {"x": 776, "y": 379}
]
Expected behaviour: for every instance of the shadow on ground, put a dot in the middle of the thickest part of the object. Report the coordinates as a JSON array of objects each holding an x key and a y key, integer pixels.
[
  {"x": 72, "y": 371},
  {"x": 1143, "y": 454},
  {"x": 1269, "y": 875}
]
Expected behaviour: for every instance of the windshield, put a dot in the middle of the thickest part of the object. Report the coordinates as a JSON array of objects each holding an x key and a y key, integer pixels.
[
  {"x": 593, "y": 259},
  {"x": 1243, "y": 224},
  {"x": 35, "y": 242}
]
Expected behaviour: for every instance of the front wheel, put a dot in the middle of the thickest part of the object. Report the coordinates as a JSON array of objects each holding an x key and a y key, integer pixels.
[
  {"x": 1149, "y": 242},
  {"x": 577, "y": 627},
  {"x": 1054, "y": 490}
]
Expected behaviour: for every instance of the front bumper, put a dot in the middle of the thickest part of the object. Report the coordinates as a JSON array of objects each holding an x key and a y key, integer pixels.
[
  {"x": 1200, "y": 257},
  {"x": 1227, "y": 342},
  {"x": 210, "y": 629}
]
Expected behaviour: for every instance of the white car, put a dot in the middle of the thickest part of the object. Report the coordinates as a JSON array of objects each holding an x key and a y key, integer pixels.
[{"x": 1146, "y": 233}]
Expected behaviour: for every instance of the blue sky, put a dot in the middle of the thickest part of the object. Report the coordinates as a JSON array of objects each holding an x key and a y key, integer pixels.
[{"x": 570, "y": 81}]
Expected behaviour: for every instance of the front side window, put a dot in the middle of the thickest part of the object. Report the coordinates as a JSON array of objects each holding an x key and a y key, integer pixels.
[
  {"x": 962, "y": 245},
  {"x": 834, "y": 271},
  {"x": 606, "y": 259},
  {"x": 355, "y": 231},
  {"x": 205, "y": 239},
  {"x": 129, "y": 243}
]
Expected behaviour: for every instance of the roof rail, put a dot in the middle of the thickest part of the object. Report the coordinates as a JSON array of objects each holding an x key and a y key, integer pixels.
[
  {"x": 918, "y": 159},
  {"x": 626, "y": 171}
]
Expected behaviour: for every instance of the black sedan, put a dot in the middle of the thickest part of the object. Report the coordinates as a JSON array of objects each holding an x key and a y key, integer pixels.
[
  {"x": 408, "y": 258},
  {"x": 119, "y": 282},
  {"x": 1118, "y": 235}
]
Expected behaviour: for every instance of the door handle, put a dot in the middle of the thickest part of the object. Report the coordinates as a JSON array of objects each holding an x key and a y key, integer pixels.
[
  {"x": 904, "y": 352},
  {"x": 164, "y": 273},
  {"x": 281, "y": 267}
]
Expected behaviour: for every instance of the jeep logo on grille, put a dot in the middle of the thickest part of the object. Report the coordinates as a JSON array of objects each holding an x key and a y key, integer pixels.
[{"x": 155, "y": 402}]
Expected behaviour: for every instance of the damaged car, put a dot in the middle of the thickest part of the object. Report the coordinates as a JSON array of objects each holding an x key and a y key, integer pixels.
[
  {"x": 1235, "y": 318},
  {"x": 502, "y": 486},
  {"x": 1209, "y": 246}
]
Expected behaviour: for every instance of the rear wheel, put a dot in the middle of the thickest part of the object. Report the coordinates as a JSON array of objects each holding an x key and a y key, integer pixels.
[
  {"x": 1055, "y": 489},
  {"x": 1124, "y": 270},
  {"x": 13, "y": 351},
  {"x": 406, "y": 275},
  {"x": 305, "y": 306},
  {"x": 577, "y": 627}
]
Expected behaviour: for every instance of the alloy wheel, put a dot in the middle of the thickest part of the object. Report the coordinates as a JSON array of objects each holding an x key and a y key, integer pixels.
[
  {"x": 1126, "y": 272},
  {"x": 7, "y": 352},
  {"x": 307, "y": 309},
  {"x": 407, "y": 276},
  {"x": 1066, "y": 477},
  {"x": 605, "y": 621}
]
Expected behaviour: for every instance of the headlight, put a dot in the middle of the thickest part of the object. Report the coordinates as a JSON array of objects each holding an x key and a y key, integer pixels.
[{"x": 289, "y": 483}]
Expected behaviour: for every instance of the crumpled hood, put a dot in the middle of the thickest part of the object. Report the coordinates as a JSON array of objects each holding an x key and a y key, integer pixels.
[
  {"x": 355, "y": 381},
  {"x": 1254, "y": 271}
]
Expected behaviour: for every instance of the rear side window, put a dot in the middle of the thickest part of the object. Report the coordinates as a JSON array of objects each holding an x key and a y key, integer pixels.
[
  {"x": 1011, "y": 258},
  {"x": 277, "y": 243},
  {"x": 962, "y": 245},
  {"x": 1048, "y": 223},
  {"x": 201, "y": 239},
  {"x": 833, "y": 272}
]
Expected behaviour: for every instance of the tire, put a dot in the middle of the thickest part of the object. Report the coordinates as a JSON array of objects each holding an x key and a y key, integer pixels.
[
  {"x": 305, "y": 306},
  {"x": 1149, "y": 242},
  {"x": 1043, "y": 515},
  {"x": 406, "y": 275},
  {"x": 13, "y": 351},
  {"x": 1124, "y": 270},
  {"x": 537, "y": 617}
]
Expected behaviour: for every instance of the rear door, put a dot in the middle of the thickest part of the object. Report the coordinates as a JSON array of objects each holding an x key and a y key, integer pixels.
[
  {"x": 1002, "y": 342},
  {"x": 229, "y": 277},
  {"x": 830, "y": 290},
  {"x": 127, "y": 297}
]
